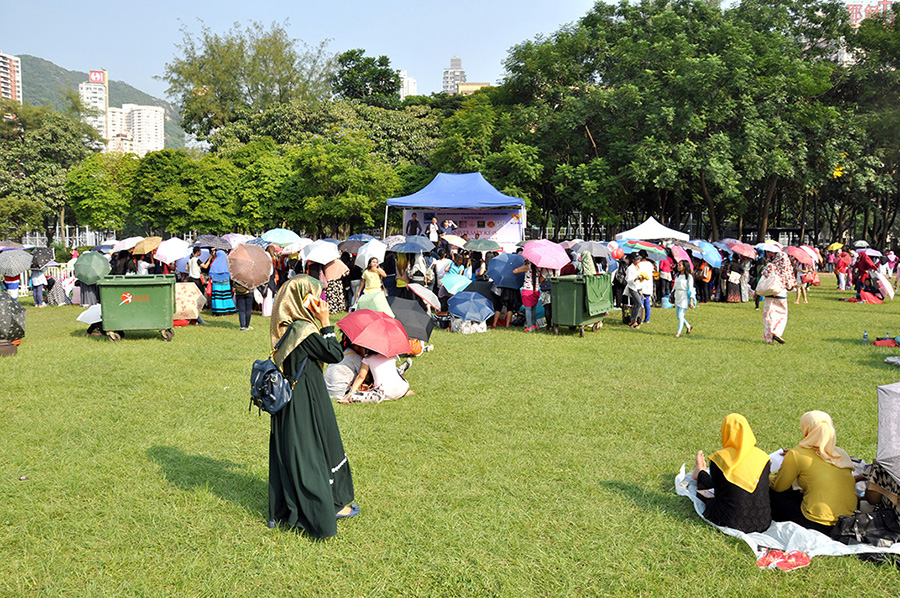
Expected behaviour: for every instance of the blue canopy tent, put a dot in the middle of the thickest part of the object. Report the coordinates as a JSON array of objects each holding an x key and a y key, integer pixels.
[{"x": 457, "y": 191}]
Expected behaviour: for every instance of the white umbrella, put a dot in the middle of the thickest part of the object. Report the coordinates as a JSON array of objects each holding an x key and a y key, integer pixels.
[
  {"x": 860, "y": 244},
  {"x": 91, "y": 315},
  {"x": 172, "y": 249},
  {"x": 297, "y": 246},
  {"x": 425, "y": 295},
  {"x": 373, "y": 248},
  {"x": 321, "y": 252},
  {"x": 128, "y": 243}
]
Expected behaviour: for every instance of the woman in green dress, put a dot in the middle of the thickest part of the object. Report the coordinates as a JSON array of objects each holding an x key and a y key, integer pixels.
[{"x": 310, "y": 485}]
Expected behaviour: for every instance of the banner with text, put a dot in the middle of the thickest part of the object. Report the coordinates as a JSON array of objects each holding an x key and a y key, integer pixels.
[{"x": 505, "y": 226}]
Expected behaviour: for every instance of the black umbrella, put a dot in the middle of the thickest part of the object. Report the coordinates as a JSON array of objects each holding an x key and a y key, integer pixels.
[
  {"x": 351, "y": 245},
  {"x": 483, "y": 288},
  {"x": 40, "y": 256},
  {"x": 212, "y": 242},
  {"x": 12, "y": 319},
  {"x": 417, "y": 323},
  {"x": 14, "y": 262}
]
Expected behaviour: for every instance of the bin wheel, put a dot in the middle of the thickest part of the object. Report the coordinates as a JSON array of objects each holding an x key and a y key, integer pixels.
[
  {"x": 167, "y": 334},
  {"x": 114, "y": 336},
  {"x": 581, "y": 331},
  {"x": 556, "y": 330},
  {"x": 598, "y": 326}
]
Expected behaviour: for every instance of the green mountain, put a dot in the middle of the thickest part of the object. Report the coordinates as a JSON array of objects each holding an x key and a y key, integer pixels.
[{"x": 44, "y": 83}]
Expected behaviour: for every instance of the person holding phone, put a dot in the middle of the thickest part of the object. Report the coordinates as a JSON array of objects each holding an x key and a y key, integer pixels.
[{"x": 310, "y": 484}]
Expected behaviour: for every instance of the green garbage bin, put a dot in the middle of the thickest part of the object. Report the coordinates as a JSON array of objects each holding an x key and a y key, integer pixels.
[
  {"x": 137, "y": 303},
  {"x": 570, "y": 305}
]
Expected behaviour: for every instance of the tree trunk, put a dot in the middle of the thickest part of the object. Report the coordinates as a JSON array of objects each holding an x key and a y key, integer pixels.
[
  {"x": 815, "y": 218},
  {"x": 764, "y": 213},
  {"x": 740, "y": 233},
  {"x": 803, "y": 219},
  {"x": 710, "y": 206}
]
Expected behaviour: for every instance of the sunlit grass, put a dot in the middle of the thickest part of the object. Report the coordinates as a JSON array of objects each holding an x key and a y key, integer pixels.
[{"x": 524, "y": 465}]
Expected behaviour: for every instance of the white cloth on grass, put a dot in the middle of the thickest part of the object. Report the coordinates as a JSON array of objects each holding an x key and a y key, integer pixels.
[{"x": 782, "y": 535}]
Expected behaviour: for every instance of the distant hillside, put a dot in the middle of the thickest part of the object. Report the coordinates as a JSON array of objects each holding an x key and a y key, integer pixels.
[{"x": 43, "y": 83}]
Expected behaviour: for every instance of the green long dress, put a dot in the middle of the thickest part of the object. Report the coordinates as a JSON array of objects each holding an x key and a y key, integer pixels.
[{"x": 309, "y": 475}]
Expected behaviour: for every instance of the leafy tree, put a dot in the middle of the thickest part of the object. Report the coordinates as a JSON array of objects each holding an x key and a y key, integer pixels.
[
  {"x": 99, "y": 190},
  {"x": 157, "y": 195},
  {"x": 337, "y": 183},
  {"x": 18, "y": 215},
  {"x": 220, "y": 77},
  {"x": 366, "y": 78},
  {"x": 37, "y": 148}
]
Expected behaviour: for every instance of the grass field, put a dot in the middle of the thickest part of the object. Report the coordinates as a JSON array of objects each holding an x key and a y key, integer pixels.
[{"x": 525, "y": 465}]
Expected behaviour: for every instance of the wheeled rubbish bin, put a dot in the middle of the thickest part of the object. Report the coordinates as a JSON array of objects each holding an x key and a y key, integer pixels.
[
  {"x": 574, "y": 305},
  {"x": 137, "y": 303}
]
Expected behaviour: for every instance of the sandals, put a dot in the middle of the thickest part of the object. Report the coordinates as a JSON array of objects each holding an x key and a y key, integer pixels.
[{"x": 354, "y": 511}]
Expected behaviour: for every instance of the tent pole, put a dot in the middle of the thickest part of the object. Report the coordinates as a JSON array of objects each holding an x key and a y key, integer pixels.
[{"x": 384, "y": 230}]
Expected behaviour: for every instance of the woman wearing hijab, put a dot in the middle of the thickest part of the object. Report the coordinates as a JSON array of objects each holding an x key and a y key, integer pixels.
[
  {"x": 740, "y": 501},
  {"x": 775, "y": 309},
  {"x": 310, "y": 485},
  {"x": 824, "y": 473},
  {"x": 222, "y": 296}
]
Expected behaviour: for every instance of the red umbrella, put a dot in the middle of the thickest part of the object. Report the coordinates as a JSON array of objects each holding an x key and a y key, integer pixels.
[
  {"x": 376, "y": 331},
  {"x": 800, "y": 255},
  {"x": 743, "y": 250},
  {"x": 546, "y": 254},
  {"x": 682, "y": 256}
]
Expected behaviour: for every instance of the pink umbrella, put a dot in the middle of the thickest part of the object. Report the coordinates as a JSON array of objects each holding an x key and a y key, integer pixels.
[
  {"x": 681, "y": 255},
  {"x": 743, "y": 250},
  {"x": 812, "y": 252},
  {"x": 546, "y": 254},
  {"x": 800, "y": 255}
]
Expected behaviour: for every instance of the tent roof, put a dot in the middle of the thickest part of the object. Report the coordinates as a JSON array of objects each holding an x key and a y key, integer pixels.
[
  {"x": 651, "y": 229},
  {"x": 457, "y": 191}
]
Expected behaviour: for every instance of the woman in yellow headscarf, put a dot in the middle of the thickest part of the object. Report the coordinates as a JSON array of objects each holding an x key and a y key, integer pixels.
[
  {"x": 824, "y": 473},
  {"x": 740, "y": 501},
  {"x": 310, "y": 485}
]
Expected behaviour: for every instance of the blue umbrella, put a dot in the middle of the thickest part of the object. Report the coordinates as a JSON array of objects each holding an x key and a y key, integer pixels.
[
  {"x": 500, "y": 270},
  {"x": 182, "y": 264},
  {"x": 361, "y": 237},
  {"x": 454, "y": 283},
  {"x": 103, "y": 248},
  {"x": 422, "y": 242},
  {"x": 471, "y": 307},
  {"x": 722, "y": 247},
  {"x": 330, "y": 240},
  {"x": 407, "y": 248},
  {"x": 258, "y": 241},
  {"x": 710, "y": 254}
]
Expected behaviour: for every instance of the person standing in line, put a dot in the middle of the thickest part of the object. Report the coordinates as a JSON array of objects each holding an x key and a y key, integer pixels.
[
  {"x": 38, "y": 282},
  {"x": 413, "y": 226},
  {"x": 243, "y": 298},
  {"x": 684, "y": 296},
  {"x": 775, "y": 309},
  {"x": 633, "y": 289},
  {"x": 646, "y": 278}
]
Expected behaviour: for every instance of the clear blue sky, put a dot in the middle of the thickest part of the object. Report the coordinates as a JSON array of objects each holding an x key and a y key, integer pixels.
[{"x": 134, "y": 40}]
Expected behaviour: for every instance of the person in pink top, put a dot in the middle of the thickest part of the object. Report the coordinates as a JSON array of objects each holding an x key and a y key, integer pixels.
[{"x": 666, "y": 268}]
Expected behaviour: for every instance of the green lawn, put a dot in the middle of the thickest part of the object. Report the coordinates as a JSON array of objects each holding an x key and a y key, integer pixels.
[{"x": 525, "y": 465}]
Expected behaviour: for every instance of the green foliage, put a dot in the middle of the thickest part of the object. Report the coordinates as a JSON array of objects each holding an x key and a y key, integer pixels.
[
  {"x": 18, "y": 215},
  {"x": 219, "y": 78},
  {"x": 366, "y": 78},
  {"x": 100, "y": 190},
  {"x": 336, "y": 182}
]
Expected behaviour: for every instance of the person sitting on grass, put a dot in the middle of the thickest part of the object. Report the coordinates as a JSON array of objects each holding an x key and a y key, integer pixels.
[
  {"x": 738, "y": 499},
  {"x": 386, "y": 376},
  {"x": 824, "y": 473}
]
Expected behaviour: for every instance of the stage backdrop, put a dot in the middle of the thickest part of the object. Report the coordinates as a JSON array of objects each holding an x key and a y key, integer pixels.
[{"x": 505, "y": 226}]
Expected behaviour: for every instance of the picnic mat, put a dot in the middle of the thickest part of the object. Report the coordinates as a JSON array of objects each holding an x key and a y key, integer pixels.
[{"x": 781, "y": 535}]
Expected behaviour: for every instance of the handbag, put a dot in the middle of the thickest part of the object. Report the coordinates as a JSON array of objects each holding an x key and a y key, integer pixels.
[
  {"x": 769, "y": 286},
  {"x": 530, "y": 298},
  {"x": 270, "y": 391},
  {"x": 878, "y": 528}
]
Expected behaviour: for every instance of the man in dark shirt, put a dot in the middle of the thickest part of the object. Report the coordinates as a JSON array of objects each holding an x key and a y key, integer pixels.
[{"x": 413, "y": 226}]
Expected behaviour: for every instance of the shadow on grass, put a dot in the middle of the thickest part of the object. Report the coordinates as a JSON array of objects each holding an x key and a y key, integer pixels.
[
  {"x": 190, "y": 472},
  {"x": 663, "y": 501}
]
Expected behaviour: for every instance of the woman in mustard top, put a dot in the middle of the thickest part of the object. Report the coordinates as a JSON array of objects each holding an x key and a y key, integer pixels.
[
  {"x": 825, "y": 475},
  {"x": 372, "y": 276}
]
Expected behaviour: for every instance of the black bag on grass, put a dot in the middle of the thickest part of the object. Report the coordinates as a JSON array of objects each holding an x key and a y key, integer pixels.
[{"x": 878, "y": 528}]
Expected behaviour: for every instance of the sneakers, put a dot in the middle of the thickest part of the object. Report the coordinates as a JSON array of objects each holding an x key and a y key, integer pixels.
[
  {"x": 531, "y": 329},
  {"x": 428, "y": 348},
  {"x": 777, "y": 559},
  {"x": 246, "y": 329},
  {"x": 404, "y": 366}
]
